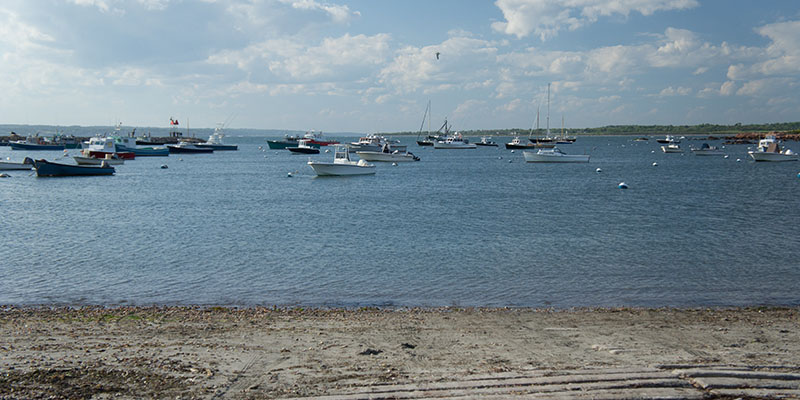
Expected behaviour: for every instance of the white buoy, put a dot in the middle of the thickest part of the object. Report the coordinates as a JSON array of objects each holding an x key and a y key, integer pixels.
[
  {"x": 4, "y": 175},
  {"x": 289, "y": 175},
  {"x": 394, "y": 164},
  {"x": 509, "y": 161},
  {"x": 655, "y": 164},
  {"x": 598, "y": 170},
  {"x": 512, "y": 151},
  {"x": 261, "y": 147},
  {"x": 738, "y": 160},
  {"x": 327, "y": 151},
  {"x": 652, "y": 151},
  {"x": 622, "y": 185},
  {"x": 164, "y": 166},
  {"x": 500, "y": 158},
  {"x": 180, "y": 159},
  {"x": 726, "y": 156}
]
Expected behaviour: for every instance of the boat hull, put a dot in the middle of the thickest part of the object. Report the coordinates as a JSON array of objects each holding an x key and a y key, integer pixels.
[
  {"x": 12, "y": 166},
  {"x": 97, "y": 161},
  {"x": 125, "y": 155},
  {"x": 46, "y": 168},
  {"x": 454, "y": 146},
  {"x": 303, "y": 150},
  {"x": 188, "y": 149},
  {"x": 222, "y": 147},
  {"x": 145, "y": 151},
  {"x": 335, "y": 169},
  {"x": 708, "y": 153},
  {"x": 31, "y": 146},
  {"x": 386, "y": 157},
  {"x": 532, "y": 157},
  {"x": 768, "y": 156},
  {"x": 667, "y": 149}
]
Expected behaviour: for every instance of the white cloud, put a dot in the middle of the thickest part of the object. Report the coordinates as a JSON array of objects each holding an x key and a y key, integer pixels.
[
  {"x": 545, "y": 18},
  {"x": 728, "y": 88},
  {"x": 679, "y": 91},
  {"x": 338, "y": 13}
]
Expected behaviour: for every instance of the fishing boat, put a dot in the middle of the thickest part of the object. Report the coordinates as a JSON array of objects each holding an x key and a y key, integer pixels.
[
  {"x": 452, "y": 140},
  {"x": 554, "y": 155},
  {"x": 288, "y": 141},
  {"x": 387, "y": 155},
  {"x": 672, "y": 148},
  {"x": 127, "y": 144},
  {"x": 35, "y": 142},
  {"x": 706, "y": 150},
  {"x": 304, "y": 147},
  {"x": 342, "y": 165},
  {"x": 517, "y": 143},
  {"x": 14, "y": 166},
  {"x": 100, "y": 147},
  {"x": 188, "y": 147},
  {"x": 769, "y": 149},
  {"x": 318, "y": 139},
  {"x": 214, "y": 141},
  {"x": 486, "y": 141},
  {"x": 110, "y": 159},
  {"x": 47, "y": 168}
]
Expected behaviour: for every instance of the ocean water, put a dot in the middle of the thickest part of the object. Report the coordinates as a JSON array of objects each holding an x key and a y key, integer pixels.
[{"x": 459, "y": 228}]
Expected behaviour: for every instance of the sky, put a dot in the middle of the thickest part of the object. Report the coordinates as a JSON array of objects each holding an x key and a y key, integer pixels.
[{"x": 373, "y": 65}]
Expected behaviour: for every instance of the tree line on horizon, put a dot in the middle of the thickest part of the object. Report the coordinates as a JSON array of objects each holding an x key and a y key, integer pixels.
[{"x": 702, "y": 129}]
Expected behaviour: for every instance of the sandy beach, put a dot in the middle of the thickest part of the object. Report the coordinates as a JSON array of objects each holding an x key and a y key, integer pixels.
[{"x": 178, "y": 352}]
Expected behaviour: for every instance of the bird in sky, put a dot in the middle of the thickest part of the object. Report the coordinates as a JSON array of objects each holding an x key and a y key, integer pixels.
[{"x": 437, "y": 55}]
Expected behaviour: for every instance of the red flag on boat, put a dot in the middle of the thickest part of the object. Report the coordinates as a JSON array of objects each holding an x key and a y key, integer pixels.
[{"x": 173, "y": 121}]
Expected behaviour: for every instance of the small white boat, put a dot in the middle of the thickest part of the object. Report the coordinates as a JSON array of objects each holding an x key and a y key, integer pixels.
[
  {"x": 706, "y": 150},
  {"x": 387, "y": 156},
  {"x": 110, "y": 159},
  {"x": 342, "y": 165},
  {"x": 13, "y": 166},
  {"x": 455, "y": 141},
  {"x": 769, "y": 149},
  {"x": 668, "y": 139},
  {"x": 672, "y": 148},
  {"x": 554, "y": 155}
]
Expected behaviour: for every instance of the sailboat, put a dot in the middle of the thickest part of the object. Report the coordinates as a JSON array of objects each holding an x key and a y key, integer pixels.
[
  {"x": 553, "y": 154},
  {"x": 546, "y": 141},
  {"x": 428, "y": 140}
]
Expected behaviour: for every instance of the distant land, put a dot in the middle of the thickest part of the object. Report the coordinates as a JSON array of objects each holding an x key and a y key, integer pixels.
[
  {"x": 644, "y": 130},
  {"x": 202, "y": 133}
]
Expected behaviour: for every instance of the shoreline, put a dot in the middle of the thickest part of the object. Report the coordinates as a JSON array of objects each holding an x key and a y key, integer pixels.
[{"x": 261, "y": 352}]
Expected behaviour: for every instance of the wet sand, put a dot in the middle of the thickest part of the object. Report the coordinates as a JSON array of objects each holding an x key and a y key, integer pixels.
[{"x": 178, "y": 352}]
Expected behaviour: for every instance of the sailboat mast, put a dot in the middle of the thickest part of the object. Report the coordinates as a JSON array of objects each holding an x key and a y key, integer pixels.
[{"x": 548, "y": 110}]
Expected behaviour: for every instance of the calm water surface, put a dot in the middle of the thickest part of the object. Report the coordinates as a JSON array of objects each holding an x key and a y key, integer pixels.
[{"x": 461, "y": 227}]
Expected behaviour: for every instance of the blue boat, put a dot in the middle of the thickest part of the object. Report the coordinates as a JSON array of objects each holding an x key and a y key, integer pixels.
[{"x": 47, "y": 168}]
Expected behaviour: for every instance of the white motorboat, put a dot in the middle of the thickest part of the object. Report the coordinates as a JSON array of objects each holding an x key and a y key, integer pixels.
[
  {"x": 554, "y": 155},
  {"x": 342, "y": 165},
  {"x": 769, "y": 149},
  {"x": 672, "y": 148},
  {"x": 215, "y": 141},
  {"x": 706, "y": 150},
  {"x": 13, "y": 166},
  {"x": 668, "y": 139},
  {"x": 374, "y": 143},
  {"x": 455, "y": 141},
  {"x": 387, "y": 156}
]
